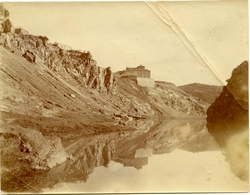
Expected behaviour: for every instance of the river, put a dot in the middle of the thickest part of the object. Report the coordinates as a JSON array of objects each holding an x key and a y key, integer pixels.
[{"x": 160, "y": 156}]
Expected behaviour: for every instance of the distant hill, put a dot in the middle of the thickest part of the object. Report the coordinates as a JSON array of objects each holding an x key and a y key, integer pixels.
[
  {"x": 207, "y": 93},
  {"x": 164, "y": 99}
]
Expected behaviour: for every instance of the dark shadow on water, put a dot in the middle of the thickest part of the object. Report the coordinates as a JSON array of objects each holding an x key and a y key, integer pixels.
[{"x": 227, "y": 122}]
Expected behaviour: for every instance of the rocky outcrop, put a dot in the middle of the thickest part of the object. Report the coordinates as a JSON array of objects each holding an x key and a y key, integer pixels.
[
  {"x": 230, "y": 109},
  {"x": 28, "y": 55},
  {"x": 237, "y": 85},
  {"x": 227, "y": 121},
  {"x": 80, "y": 65}
]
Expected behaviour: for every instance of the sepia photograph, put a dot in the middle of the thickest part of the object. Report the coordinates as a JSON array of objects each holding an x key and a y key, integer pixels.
[{"x": 124, "y": 97}]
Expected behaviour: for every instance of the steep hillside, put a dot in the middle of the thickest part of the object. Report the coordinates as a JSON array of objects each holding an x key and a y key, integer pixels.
[
  {"x": 207, "y": 93},
  {"x": 164, "y": 99},
  {"x": 90, "y": 86},
  {"x": 170, "y": 99},
  {"x": 52, "y": 90}
]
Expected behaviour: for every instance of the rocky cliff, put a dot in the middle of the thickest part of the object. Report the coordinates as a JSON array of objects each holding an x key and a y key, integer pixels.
[
  {"x": 80, "y": 65},
  {"x": 80, "y": 71},
  {"x": 227, "y": 120}
]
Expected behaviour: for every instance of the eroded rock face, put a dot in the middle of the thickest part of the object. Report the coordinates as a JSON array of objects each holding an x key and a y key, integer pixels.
[
  {"x": 227, "y": 121},
  {"x": 79, "y": 65},
  {"x": 30, "y": 56}
]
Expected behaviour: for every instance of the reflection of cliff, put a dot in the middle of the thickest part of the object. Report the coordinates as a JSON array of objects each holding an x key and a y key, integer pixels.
[
  {"x": 179, "y": 134},
  {"x": 130, "y": 148},
  {"x": 87, "y": 156},
  {"x": 227, "y": 121},
  {"x": 138, "y": 163},
  {"x": 165, "y": 137},
  {"x": 86, "y": 159}
]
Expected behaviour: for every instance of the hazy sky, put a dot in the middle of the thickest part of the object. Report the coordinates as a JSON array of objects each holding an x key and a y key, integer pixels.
[{"x": 128, "y": 34}]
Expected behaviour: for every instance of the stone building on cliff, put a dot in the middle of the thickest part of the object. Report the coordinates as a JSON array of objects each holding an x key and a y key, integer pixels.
[
  {"x": 140, "y": 74},
  {"x": 139, "y": 71},
  {"x": 62, "y": 46},
  {"x": 19, "y": 30}
]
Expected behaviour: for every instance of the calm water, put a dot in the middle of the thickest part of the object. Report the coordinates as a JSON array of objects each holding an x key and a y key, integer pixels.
[
  {"x": 165, "y": 156},
  {"x": 178, "y": 171}
]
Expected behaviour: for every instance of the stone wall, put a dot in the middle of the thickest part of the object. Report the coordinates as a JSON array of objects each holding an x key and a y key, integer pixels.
[
  {"x": 139, "y": 71},
  {"x": 21, "y": 31},
  {"x": 145, "y": 82}
]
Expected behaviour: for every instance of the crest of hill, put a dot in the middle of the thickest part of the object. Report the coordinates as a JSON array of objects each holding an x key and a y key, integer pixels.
[{"x": 207, "y": 93}]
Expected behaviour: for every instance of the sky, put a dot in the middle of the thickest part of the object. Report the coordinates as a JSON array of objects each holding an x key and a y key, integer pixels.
[{"x": 204, "y": 38}]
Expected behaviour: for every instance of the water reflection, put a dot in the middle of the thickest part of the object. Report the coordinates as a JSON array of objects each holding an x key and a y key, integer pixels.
[
  {"x": 228, "y": 123},
  {"x": 165, "y": 137},
  {"x": 127, "y": 150},
  {"x": 178, "y": 171}
]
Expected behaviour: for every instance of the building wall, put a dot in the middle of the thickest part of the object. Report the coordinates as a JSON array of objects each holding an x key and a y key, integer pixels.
[
  {"x": 18, "y": 30},
  {"x": 62, "y": 46},
  {"x": 139, "y": 73},
  {"x": 21, "y": 31},
  {"x": 75, "y": 53},
  {"x": 145, "y": 82}
]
